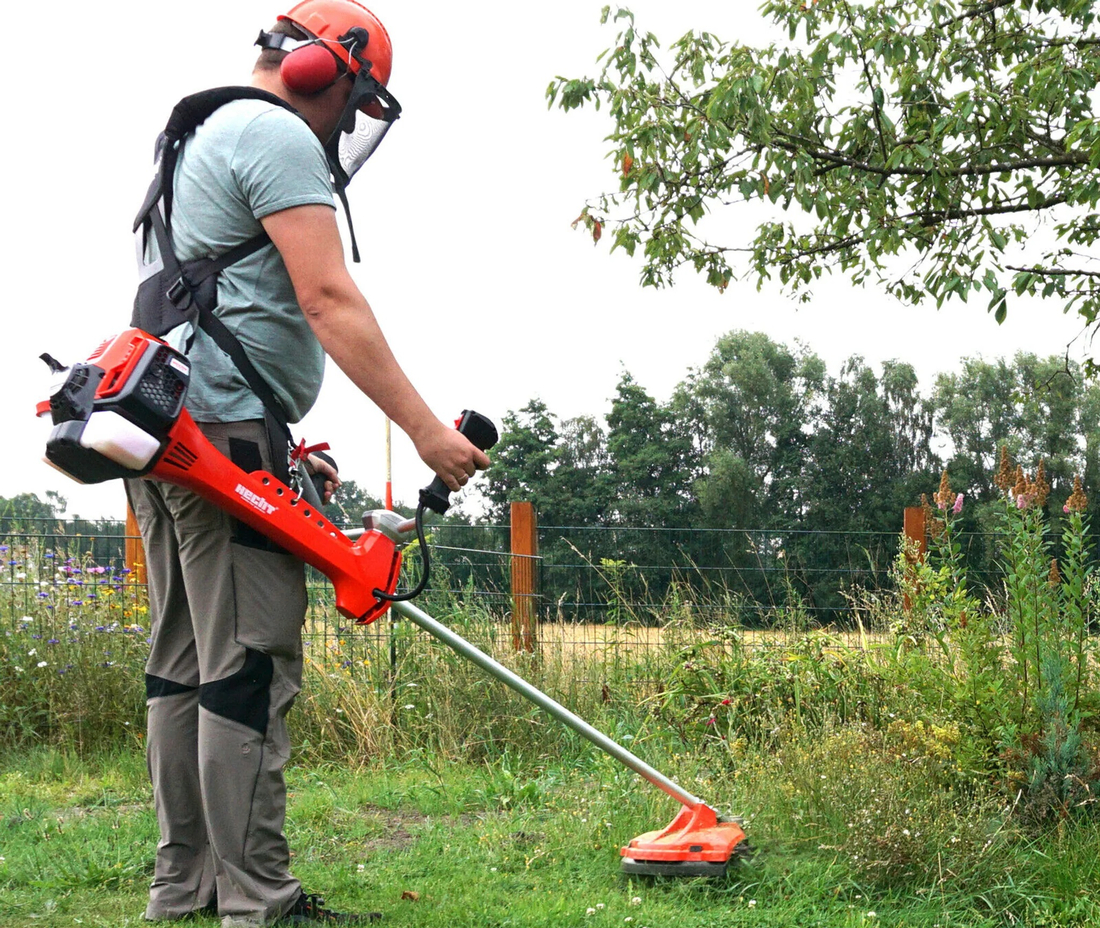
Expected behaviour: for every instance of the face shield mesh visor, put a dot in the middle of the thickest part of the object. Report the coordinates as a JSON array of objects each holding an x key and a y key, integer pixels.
[{"x": 370, "y": 111}]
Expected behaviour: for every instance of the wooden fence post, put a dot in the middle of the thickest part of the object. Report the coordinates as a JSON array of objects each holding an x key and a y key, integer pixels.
[
  {"x": 135, "y": 551},
  {"x": 525, "y": 550},
  {"x": 916, "y": 533}
]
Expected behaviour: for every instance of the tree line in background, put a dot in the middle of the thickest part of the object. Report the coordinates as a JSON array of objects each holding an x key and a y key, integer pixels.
[{"x": 778, "y": 480}]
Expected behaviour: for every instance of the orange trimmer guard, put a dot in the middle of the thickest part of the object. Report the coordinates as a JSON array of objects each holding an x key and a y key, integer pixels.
[{"x": 696, "y": 843}]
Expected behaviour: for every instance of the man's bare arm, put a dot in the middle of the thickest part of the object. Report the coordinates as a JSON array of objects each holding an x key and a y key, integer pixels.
[{"x": 309, "y": 241}]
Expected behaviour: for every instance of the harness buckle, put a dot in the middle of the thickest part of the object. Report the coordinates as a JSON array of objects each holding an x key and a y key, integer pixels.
[{"x": 177, "y": 291}]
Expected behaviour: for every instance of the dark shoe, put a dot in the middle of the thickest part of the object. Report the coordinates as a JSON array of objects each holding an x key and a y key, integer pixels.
[{"x": 308, "y": 909}]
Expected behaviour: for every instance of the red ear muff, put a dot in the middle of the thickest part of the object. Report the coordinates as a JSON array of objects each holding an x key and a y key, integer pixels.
[{"x": 309, "y": 69}]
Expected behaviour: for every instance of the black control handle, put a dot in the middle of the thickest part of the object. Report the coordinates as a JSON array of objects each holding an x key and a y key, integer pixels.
[
  {"x": 318, "y": 479},
  {"x": 482, "y": 434}
]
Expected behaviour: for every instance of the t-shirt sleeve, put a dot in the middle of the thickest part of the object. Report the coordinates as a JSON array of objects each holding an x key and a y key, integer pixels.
[{"x": 279, "y": 163}]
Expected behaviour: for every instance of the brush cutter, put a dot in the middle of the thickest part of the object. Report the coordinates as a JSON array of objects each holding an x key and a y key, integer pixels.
[{"x": 120, "y": 414}]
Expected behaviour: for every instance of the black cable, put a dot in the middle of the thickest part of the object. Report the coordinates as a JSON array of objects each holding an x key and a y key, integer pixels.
[{"x": 419, "y": 588}]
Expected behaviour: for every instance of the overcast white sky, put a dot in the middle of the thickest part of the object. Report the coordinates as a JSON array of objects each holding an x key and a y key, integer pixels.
[{"x": 487, "y": 295}]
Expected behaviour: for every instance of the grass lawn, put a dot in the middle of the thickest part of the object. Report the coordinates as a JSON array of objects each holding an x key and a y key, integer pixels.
[{"x": 452, "y": 845}]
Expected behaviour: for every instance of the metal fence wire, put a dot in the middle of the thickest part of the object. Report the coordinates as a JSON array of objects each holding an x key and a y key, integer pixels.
[{"x": 587, "y": 577}]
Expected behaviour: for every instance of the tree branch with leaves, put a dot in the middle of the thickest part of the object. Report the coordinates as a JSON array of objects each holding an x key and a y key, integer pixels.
[{"x": 964, "y": 134}]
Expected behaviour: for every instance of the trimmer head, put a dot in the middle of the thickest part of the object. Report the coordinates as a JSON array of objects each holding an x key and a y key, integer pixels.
[{"x": 695, "y": 843}]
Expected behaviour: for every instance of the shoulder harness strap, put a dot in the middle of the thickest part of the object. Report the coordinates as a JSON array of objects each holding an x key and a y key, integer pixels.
[{"x": 183, "y": 286}]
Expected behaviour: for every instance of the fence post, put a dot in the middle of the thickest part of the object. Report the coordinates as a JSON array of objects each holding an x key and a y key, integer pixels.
[
  {"x": 915, "y": 534},
  {"x": 525, "y": 550},
  {"x": 135, "y": 551}
]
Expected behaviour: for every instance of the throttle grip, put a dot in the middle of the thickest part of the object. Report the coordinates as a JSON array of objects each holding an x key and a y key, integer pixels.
[{"x": 482, "y": 434}]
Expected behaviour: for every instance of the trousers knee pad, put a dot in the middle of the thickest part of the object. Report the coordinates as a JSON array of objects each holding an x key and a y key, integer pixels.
[{"x": 245, "y": 696}]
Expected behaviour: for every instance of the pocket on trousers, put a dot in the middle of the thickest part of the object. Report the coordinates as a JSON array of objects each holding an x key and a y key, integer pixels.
[{"x": 270, "y": 591}]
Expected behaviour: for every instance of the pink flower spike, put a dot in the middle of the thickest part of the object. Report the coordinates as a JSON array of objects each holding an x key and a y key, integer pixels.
[
  {"x": 958, "y": 504},
  {"x": 1021, "y": 501},
  {"x": 1065, "y": 509}
]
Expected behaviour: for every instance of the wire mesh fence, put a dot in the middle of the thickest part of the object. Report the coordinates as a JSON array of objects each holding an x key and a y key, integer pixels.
[{"x": 592, "y": 583}]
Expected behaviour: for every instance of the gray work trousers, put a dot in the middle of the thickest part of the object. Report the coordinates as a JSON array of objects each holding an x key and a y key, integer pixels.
[{"x": 224, "y": 667}]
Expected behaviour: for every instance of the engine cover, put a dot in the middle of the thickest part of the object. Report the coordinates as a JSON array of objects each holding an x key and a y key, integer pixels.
[{"x": 113, "y": 413}]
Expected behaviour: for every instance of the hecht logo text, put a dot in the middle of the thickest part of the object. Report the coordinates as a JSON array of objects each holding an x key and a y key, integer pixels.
[{"x": 256, "y": 502}]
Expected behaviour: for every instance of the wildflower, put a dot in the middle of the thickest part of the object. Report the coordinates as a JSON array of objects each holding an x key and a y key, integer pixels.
[
  {"x": 958, "y": 507},
  {"x": 1019, "y": 488},
  {"x": 1077, "y": 501},
  {"x": 1003, "y": 480},
  {"x": 590, "y": 911},
  {"x": 944, "y": 496},
  {"x": 637, "y": 900},
  {"x": 1041, "y": 485},
  {"x": 935, "y": 526},
  {"x": 1055, "y": 576},
  {"x": 752, "y": 903}
]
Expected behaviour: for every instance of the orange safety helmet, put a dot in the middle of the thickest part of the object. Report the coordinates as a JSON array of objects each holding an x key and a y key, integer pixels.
[
  {"x": 343, "y": 38},
  {"x": 332, "y": 20}
]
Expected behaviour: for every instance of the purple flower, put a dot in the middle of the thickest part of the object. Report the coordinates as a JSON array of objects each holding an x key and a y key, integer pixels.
[{"x": 958, "y": 504}]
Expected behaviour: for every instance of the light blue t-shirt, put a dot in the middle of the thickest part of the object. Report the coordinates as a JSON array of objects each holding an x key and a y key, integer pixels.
[{"x": 248, "y": 160}]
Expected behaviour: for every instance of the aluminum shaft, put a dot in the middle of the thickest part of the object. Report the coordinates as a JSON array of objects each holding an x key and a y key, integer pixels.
[{"x": 557, "y": 710}]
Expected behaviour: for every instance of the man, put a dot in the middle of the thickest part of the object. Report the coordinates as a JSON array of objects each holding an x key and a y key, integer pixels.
[{"x": 226, "y": 657}]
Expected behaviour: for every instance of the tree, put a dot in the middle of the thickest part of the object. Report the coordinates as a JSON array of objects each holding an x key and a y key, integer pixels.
[
  {"x": 348, "y": 504},
  {"x": 750, "y": 409},
  {"x": 25, "y": 511},
  {"x": 562, "y": 469},
  {"x": 523, "y": 459},
  {"x": 869, "y": 457},
  {"x": 649, "y": 460},
  {"x": 1037, "y": 407},
  {"x": 938, "y": 130}
]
